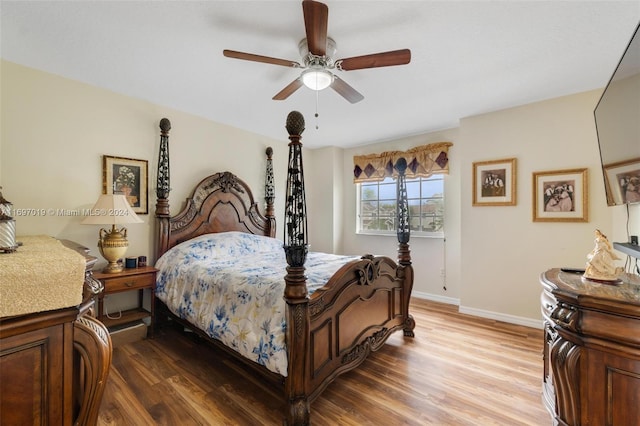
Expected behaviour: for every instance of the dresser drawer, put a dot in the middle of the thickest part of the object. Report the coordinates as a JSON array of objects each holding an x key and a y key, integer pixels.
[
  {"x": 113, "y": 285},
  {"x": 548, "y": 303}
]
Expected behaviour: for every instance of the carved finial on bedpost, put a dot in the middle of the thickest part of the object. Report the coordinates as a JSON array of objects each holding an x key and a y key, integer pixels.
[
  {"x": 163, "y": 181},
  {"x": 295, "y": 293},
  {"x": 269, "y": 190},
  {"x": 404, "y": 230},
  {"x": 165, "y": 125},
  {"x": 295, "y": 124}
]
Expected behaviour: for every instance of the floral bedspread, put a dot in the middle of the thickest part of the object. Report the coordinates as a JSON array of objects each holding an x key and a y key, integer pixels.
[{"x": 231, "y": 285}]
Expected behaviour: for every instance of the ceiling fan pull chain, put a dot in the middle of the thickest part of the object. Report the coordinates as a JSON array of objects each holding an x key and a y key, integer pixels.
[{"x": 317, "y": 95}]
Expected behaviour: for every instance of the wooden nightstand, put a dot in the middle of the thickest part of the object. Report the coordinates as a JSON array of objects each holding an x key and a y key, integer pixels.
[{"x": 128, "y": 280}]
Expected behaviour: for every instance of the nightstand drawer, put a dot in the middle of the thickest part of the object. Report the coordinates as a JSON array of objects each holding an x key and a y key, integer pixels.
[
  {"x": 136, "y": 280},
  {"x": 113, "y": 285}
]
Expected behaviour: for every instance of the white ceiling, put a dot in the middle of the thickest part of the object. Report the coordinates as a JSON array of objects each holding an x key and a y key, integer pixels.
[{"x": 468, "y": 57}]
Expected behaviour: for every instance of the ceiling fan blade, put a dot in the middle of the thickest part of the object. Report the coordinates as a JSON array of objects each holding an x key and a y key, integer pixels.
[
  {"x": 316, "y": 16},
  {"x": 346, "y": 91},
  {"x": 288, "y": 91},
  {"x": 259, "y": 58},
  {"x": 384, "y": 59}
]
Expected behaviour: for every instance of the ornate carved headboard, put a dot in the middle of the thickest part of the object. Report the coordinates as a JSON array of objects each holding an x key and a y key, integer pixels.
[{"x": 220, "y": 202}]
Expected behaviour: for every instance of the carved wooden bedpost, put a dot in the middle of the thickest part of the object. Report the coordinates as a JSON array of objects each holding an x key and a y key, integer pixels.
[
  {"x": 404, "y": 229},
  {"x": 295, "y": 294},
  {"x": 163, "y": 187},
  {"x": 404, "y": 254},
  {"x": 270, "y": 192}
]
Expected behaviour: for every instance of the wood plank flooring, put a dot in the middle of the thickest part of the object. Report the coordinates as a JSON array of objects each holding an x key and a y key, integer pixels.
[{"x": 458, "y": 370}]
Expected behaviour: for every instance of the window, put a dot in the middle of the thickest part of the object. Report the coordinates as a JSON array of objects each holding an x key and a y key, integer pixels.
[{"x": 377, "y": 206}]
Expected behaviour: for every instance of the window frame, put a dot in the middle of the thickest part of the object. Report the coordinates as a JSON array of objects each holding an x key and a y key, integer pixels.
[{"x": 389, "y": 181}]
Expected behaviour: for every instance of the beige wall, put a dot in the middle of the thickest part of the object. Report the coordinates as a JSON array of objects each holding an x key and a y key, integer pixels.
[
  {"x": 493, "y": 256},
  {"x": 55, "y": 131},
  {"x": 557, "y": 134},
  {"x": 324, "y": 183}
]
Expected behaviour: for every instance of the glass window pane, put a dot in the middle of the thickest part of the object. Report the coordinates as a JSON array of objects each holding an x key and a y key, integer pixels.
[
  {"x": 369, "y": 192},
  {"x": 433, "y": 224},
  {"x": 389, "y": 224},
  {"x": 388, "y": 192},
  {"x": 414, "y": 223},
  {"x": 387, "y": 209},
  {"x": 378, "y": 205},
  {"x": 432, "y": 188},
  {"x": 414, "y": 207},
  {"x": 432, "y": 207},
  {"x": 368, "y": 224},
  {"x": 369, "y": 208},
  {"x": 428, "y": 224},
  {"x": 413, "y": 189}
]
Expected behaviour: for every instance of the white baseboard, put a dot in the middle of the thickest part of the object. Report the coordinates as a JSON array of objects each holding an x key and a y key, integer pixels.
[
  {"x": 511, "y": 319},
  {"x": 435, "y": 298}
]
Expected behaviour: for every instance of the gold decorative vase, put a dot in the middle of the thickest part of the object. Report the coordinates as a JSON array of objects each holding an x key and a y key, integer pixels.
[
  {"x": 113, "y": 246},
  {"x": 112, "y": 209}
]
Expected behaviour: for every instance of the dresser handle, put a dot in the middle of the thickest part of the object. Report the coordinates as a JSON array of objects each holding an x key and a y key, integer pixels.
[{"x": 130, "y": 284}]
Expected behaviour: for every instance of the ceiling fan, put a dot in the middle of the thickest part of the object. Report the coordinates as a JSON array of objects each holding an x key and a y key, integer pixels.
[{"x": 317, "y": 51}]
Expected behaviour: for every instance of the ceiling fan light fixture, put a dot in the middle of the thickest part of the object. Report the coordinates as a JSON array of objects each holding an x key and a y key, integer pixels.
[{"x": 317, "y": 79}]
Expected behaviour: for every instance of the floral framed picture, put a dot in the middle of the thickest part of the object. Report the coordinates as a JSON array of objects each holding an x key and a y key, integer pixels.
[
  {"x": 561, "y": 196},
  {"x": 623, "y": 182},
  {"x": 129, "y": 177},
  {"x": 494, "y": 182}
]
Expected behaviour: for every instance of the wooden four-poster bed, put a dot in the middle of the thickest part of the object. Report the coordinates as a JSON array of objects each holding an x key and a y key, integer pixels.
[{"x": 327, "y": 328}]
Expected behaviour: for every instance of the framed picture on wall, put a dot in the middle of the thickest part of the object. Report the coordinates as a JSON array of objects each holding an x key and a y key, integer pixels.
[
  {"x": 561, "y": 196},
  {"x": 129, "y": 177},
  {"x": 494, "y": 183},
  {"x": 623, "y": 182}
]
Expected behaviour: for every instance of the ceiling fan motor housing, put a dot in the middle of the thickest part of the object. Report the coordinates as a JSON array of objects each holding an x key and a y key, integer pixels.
[{"x": 311, "y": 60}]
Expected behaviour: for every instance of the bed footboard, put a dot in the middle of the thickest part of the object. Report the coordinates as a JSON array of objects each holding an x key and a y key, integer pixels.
[{"x": 354, "y": 314}]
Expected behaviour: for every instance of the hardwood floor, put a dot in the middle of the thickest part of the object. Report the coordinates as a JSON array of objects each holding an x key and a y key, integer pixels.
[{"x": 458, "y": 370}]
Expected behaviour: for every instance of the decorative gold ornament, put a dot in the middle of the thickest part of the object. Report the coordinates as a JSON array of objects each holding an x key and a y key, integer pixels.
[{"x": 112, "y": 209}]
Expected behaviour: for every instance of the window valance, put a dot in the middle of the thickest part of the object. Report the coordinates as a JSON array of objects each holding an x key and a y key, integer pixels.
[{"x": 422, "y": 161}]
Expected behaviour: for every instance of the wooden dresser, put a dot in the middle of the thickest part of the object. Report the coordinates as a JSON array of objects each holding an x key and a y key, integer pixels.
[
  {"x": 591, "y": 350},
  {"x": 54, "y": 363}
]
